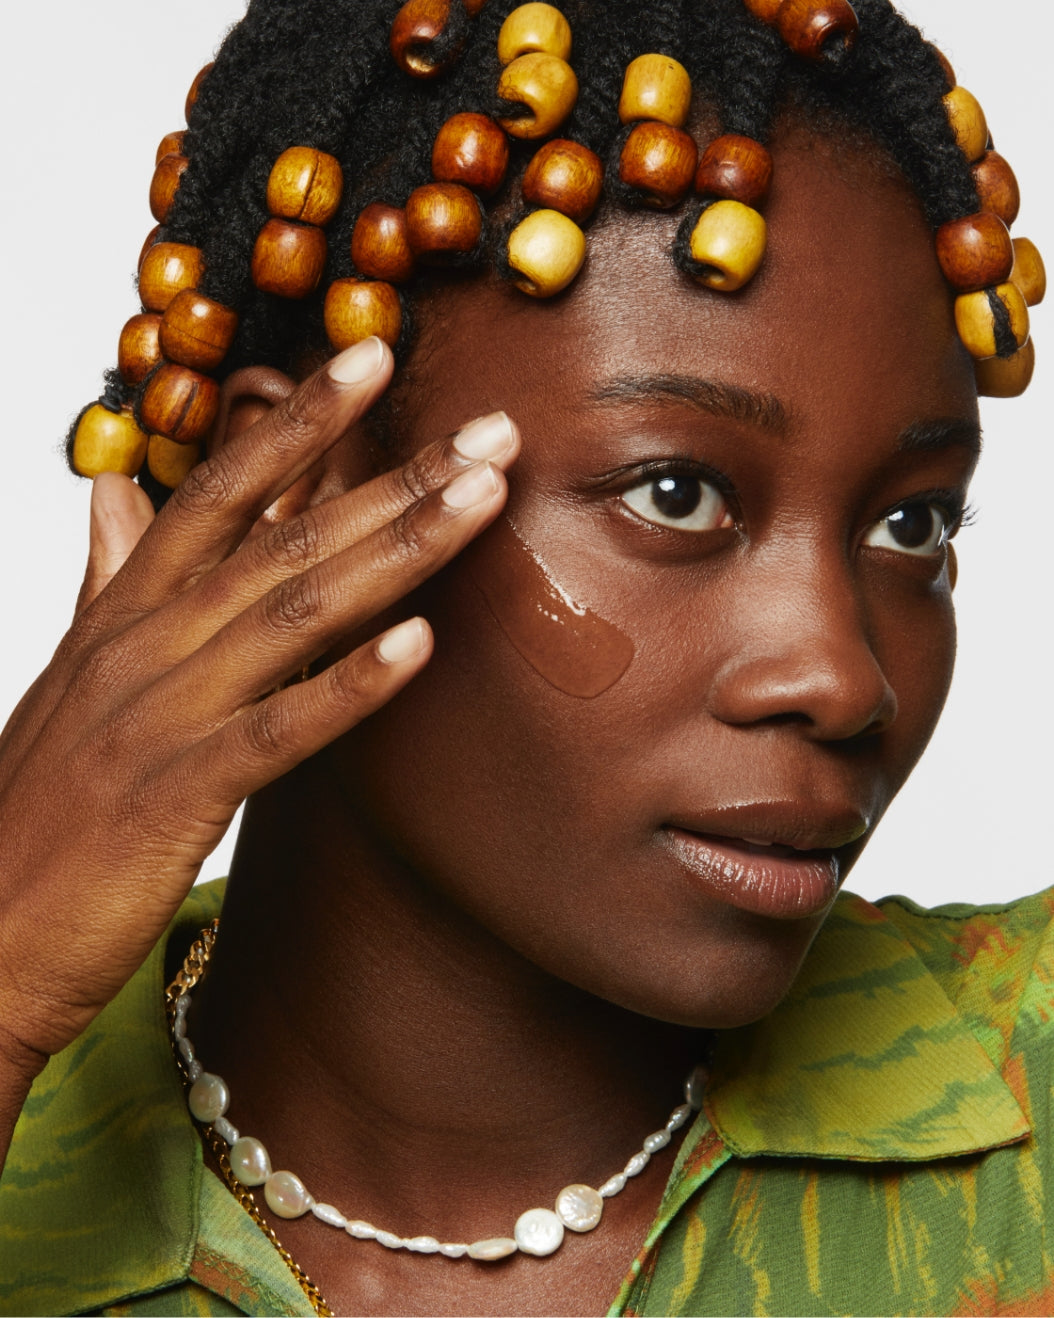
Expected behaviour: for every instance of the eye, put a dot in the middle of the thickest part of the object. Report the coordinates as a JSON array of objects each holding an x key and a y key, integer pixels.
[
  {"x": 914, "y": 528},
  {"x": 680, "y": 500}
]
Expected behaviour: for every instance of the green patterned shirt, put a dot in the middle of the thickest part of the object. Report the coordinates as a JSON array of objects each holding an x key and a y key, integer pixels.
[{"x": 880, "y": 1143}]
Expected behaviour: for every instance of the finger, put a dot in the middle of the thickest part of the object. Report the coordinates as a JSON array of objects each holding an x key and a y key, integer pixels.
[{"x": 121, "y": 512}]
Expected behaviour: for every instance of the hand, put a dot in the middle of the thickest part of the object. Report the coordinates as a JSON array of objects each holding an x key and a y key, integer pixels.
[{"x": 163, "y": 707}]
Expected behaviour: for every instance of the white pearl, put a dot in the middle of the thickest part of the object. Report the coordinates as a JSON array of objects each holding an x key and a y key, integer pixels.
[
  {"x": 250, "y": 1161},
  {"x": 539, "y": 1232},
  {"x": 423, "y": 1245},
  {"x": 657, "y": 1141},
  {"x": 614, "y": 1186},
  {"x": 330, "y": 1215},
  {"x": 637, "y": 1163},
  {"x": 389, "y": 1240},
  {"x": 453, "y": 1251},
  {"x": 361, "y": 1230},
  {"x": 223, "y": 1128},
  {"x": 208, "y": 1098},
  {"x": 179, "y": 1028},
  {"x": 678, "y": 1117},
  {"x": 695, "y": 1088},
  {"x": 195, "y": 1071},
  {"x": 579, "y": 1207},
  {"x": 489, "y": 1251},
  {"x": 286, "y": 1195},
  {"x": 186, "y": 1050},
  {"x": 183, "y": 1004}
]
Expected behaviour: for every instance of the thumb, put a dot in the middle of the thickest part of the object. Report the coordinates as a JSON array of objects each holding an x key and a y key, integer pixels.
[{"x": 120, "y": 512}]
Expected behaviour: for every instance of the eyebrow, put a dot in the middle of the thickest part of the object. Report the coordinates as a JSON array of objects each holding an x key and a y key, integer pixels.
[
  {"x": 711, "y": 396},
  {"x": 931, "y": 436}
]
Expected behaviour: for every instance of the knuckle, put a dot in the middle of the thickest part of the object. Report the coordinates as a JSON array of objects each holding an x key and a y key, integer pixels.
[
  {"x": 265, "y": 730},
  {"x": 299, "y": 414},
  {"x": 293, "y": 604},
  {"x": 208, "y": 487},
  {"x": 416, "y": 479},
  {"x": 350, "y": 683},
  {"x": 405, "y": 536},
  {"x": 292, "y": 544}
]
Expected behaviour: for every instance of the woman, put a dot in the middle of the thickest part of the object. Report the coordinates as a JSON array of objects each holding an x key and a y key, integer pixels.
[{"x": 739, "y": 513}]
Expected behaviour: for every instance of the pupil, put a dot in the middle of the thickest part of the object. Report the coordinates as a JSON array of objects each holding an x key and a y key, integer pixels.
[
  {"x": 677, "y": 496},
  {"x": 912, "y": 527}
]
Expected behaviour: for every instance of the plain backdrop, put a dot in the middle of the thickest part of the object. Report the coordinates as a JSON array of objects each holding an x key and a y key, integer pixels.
[{"x": 88, "y": 91}]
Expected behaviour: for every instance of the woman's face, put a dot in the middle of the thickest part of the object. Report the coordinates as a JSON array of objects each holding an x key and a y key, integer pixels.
[{"x": 752, "y": 491}]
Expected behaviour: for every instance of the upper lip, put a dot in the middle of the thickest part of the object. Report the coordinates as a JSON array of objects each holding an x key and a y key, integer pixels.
[{"x": 800, "y": 825}]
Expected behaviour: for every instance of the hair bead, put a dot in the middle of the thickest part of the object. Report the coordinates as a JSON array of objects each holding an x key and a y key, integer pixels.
[
  {"x": 658, "y": 163},
  {"x": 546, "y": 85},
  {"x": 442, "y": 220},
  {"x": 1006, "y": 377},
  {"x": 170, "y": 145},
  {"x": 564, "y": 176},
  {"x": 655, "y": 87},
  {"x": 823, "y": 31},
  {"x": 138, "y": 349},
  {"x": 967, "y": 121},
  {"x": 728, "y": 245},
  {"x": 534, "y": 28},
  {"x": 165, "y": 184},
  {"x": 355, "y": 309},
  {"x": 179, "y": 403},
  {"x": 195, "y": 88},
  {"x": 288, "y": 258},
  {"x": 975, "y": 252},
  {"x": 305, "y": 185},
  {"x": 735, "y": 168},
  {"x": 1029, "y": 272},
  {"x": 380, "y": 244},
  {"x": 108, "y": 441},
  {"x": 946, "y": 67},
  {"x": 997, "y": 189},
  {"x": 546, "y": 250},
  {"x": 473, "y": 150},
  {"x": 766, "y": 10},
  {"x": 975, "y": 319},
  {"x": 169, "y": 461},
  {"x": 148, "y": 242},
  {"x": 167, "y": 269},
  {"x": 417, "y": 25},
  {"x": 197, "y": 331}
]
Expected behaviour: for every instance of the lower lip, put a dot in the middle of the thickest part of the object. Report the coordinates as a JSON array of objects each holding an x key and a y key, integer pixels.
[{"x": 779, "y": 887}]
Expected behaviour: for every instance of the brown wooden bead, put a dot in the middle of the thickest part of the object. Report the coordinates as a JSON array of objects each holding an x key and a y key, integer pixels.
[
  {"x": 1006, "y": 377},
  {"x": 564, "y": 176},
  {"x": 1029, "y": 272},
  {"x": 169, "y": 461},
  {"x": 736, "y": 168},
  {"x": 819, "y": 30},
  {"x": 975, "y": 320},
  {"x": 305, "y": 185},
  {"x": 975, "y": 251},
  {"x": 728, "y": 244},
  {"x": 197, "y": 331},
  {"x": 195, "y": 87},
  {"x": 968, "y": 122},
  {"x": 655, "y": 87},
  {"x": 148, "y": 242},
  {"x": 997, "y": 189},
  {"x": 380, "y": 245},
  {"x": 546, "y": 250},
  {"x": 165, "y": 184},
  {"x": 355, "y": 309},
  {"x": 534, "y": 27},
  {"x": 417, "y": 25},
  {"x": 658, "y": 162},
  {"x": 473, "y": 150},
  {"x": 546, "y": 85},
  {"x": 179, "y": 403},
  {"x": 108, "y": 441},
  {"x": 138, "y": 350},
  {"x": 167, "y": 269},
  {"x": 950, "y": 79},
  {"x": 171, "y": 145},
  {"x": 288, "y": 258},
  {"x": 442, "y": 220},
  {"x": 766, "y": 10},
  {"x": 474, "y": 7}
]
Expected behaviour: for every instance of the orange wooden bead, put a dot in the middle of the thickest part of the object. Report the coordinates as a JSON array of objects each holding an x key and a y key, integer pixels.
[
  {"x": 167, "y": 269},
  {"x": 655, "y": 87},
  {"x": 946, "y": 67},
  {"x": 564, "y": 176},
  {"x": 820, "y": 30},
  {"x": 976, "y": 322},
  {"x": 195, "y": 87},
  {"x": 138, "y": 350},
  {"x": 288, "y": 258},
  {"x": 442, "y": 219},
  {"x": 534, "y": 27},
  {"x": 179, "y": 403},
  {"x": 165, "y": 184},
  {"x": 168, "y": 461},
  {"x": 1006, "y": 377},
  {"x": 417, "y": 25},
  {"x": 736, "y": 168},
  {"x": 305, "y": 185},
  {"x": 1029, "y": 272},
  {"x": 355, "y": 309},
  {"x": 471, "y": 149},
  {"x": 968, "y": 122},
  {"x": 975, "y": 251},
  {"x": 766, "y": 10},
  {"x": 728, "y": 244},
  {"x": 546, "y": 85},
  {"x": 108, "y": 441},
  {"x": 997, "y": 189},
  {"x": 546, "y": 250},
  {"x": 659, "y": 163},
  {"x": 171, "y": 145},
  {"x": 196, "y": 331},
  {"x": 380, "y": 245},
  {"x": 148, "y": 242}
]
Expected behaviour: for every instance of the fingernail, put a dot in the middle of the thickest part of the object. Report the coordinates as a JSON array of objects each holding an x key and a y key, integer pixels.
[
  {"x": 476, "y": 485},
  {"x": 402, "y": 642},
  {"x": 488, "y": 437},
  {"x": 356, "y": 364}
]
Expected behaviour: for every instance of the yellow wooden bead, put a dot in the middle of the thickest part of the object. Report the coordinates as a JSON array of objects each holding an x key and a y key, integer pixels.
[
  {"x": 655, "y": 87},
  {"x": 1029, "y": 272},
  {"x": 547, "y": 250},
  {"x": 534, "y": 27},
  {"x": 545, "y": 84},
  {"x": 1006, "y": 377},
  {"x": 168, "y": 461},
  {"x": 728, "y": 242},
  {"x": 968, "y": 122},
  {"x": 108, "y": 441},
  {"x": 975, "y": 320}
]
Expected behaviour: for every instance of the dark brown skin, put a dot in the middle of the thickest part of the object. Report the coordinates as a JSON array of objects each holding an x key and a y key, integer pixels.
[{"x": 459, "y": 966}]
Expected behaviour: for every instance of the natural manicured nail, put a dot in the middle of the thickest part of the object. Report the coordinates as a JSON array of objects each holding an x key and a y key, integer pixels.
[
  {"x": 476, "y": 485},
  {"x": 356, "y": 364},
  {"x": 403, "y": 642},
  {"x": 488, "y": 437}
]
